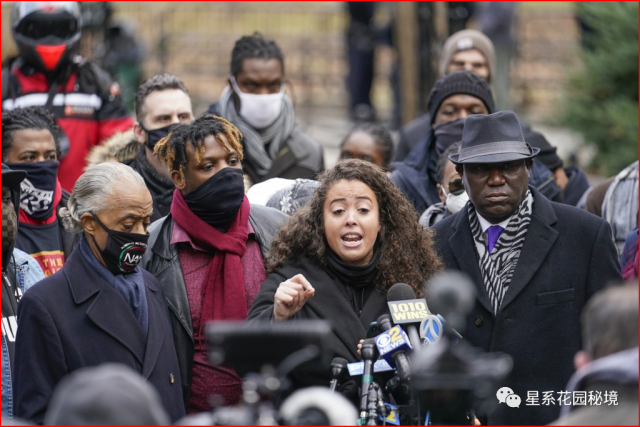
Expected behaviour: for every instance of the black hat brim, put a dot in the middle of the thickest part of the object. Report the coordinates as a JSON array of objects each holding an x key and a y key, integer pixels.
[
  {"x": 13, "y": 178},
  {"x": 494, "y": 158}
]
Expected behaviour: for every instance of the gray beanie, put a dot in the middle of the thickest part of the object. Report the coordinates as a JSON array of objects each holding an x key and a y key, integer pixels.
[
  {"x": 465, "y": 40},
  {"x": 109, "y": 394}
]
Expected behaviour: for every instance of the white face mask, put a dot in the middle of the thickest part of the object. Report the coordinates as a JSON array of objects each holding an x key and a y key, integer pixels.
[
  {"x": 259, "y": 111},
  {"x": 455, "y": 203}
]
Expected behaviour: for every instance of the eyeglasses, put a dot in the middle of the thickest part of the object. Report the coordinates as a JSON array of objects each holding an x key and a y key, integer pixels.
[{"x": 456, "y": 187}]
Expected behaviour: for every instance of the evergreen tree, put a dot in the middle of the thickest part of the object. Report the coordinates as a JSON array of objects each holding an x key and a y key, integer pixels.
[{"x": 602, "y": 98}]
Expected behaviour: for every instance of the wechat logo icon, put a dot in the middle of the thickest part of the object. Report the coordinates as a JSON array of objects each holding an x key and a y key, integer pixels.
[{"x": 506, "y": 395}]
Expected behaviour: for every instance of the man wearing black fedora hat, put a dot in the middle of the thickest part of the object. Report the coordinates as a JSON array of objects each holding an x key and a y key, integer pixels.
[{"x": 535, "y": 264}]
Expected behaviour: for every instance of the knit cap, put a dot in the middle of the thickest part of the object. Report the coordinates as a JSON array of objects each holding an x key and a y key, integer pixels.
[
  {"x": 466, "y": 40},
  {"x": 460, "y": 82}
]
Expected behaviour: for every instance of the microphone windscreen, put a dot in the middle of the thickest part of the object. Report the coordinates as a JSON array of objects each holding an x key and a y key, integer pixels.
[
  {"x": 340, "y": 361},
  {"x": 400, "y": 291}
]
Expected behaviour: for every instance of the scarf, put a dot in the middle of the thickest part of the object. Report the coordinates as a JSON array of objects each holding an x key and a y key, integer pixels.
[
  {"x": 261, "y": 146},
  {"x": 131, "y": 286},
  {"x": 223, "y": 295},
  {"x": 498, "y": 266},
  {"x": 160, "y": 187},
  {"x": 620, "y": 206},
  {"x": 355, "y": 276}
]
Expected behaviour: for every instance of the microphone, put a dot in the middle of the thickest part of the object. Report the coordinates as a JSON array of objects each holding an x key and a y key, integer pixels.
[
  {"x": 453, "y": 295},
  {"x": 405, "y": 308},
  {"x": 369, "y": 355},
  {"x": 338, "y": 372},
  {"x": 394, "y": 346}
]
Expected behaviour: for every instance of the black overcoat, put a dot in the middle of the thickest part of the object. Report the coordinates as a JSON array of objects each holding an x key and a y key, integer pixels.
[
  {"x": 568, "y": 255},
  {"x": 73, "y": 319}
]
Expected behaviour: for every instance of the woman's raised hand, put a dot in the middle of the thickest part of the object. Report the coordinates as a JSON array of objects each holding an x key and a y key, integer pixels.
[{"x": 290, "y": 296}]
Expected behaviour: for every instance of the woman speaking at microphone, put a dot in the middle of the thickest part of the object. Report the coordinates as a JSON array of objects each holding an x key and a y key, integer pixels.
[{"x": 338, "y": 255}]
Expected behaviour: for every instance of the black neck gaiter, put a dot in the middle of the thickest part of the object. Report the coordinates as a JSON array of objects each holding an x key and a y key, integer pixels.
[
  {"x": 355, "y": 276},
  {"x": 217, "y": 200}
]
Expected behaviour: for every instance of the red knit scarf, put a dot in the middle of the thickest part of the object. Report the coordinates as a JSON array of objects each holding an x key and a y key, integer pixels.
[{"x": 223, "y": 294}]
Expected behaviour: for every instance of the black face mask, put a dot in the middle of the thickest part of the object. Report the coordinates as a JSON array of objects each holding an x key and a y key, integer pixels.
[
  {"x": 217, "y": 200},
  {"x": 38, "y": 188},
  {"x": 448, "y": 133},
  {"x": 153, "y": 136},
  {"x": 123, "y": 251}
]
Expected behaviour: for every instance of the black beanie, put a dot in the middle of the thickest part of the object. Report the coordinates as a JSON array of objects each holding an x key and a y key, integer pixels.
[
  {"x": 547, "y": 155},
  {"x": 459, "y": 82}
]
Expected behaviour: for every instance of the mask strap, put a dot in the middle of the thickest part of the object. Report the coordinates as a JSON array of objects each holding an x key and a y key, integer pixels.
[{"x": 104, "y": 227}]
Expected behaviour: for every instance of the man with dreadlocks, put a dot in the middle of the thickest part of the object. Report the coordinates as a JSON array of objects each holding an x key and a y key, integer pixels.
[
  {"x": 31, "y": 142},
  {"x": 209, "y": 252},
  {"x": 255, "y": 101}
]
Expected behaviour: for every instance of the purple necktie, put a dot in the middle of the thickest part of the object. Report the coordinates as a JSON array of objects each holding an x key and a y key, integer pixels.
[{"x": 493, "y": 233}]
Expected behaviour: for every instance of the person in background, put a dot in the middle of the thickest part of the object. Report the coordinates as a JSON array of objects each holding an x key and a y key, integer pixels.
[
  {"x": 466, "y": 50},
  {"x": 571, "y": 180},
  {"x": 535, "y": 263},
  {"x": 256, "y": 103},
  {"x": 497, "y": 21},
  {"x": 629, "y": 257},
  {"x": 368, "y": 141},
  {"x": 160, "y": 102},
  {"x": 620, "y": 205},
  {"x": 361, "y": 45},
  {"x": 209, "y": 252},
  {"x": 48, "y": 72},
  {"x": 338, "y": 256},
  {"x": 19, "y": 273},
  {"x": 31, "y": 142},
  {"x": 371, "y": 142},
  {"x": 452, "y": 100},
  {"x": 453, "y": 196},
  {"x": 101, "y": 307},
  {"x": 607, "y": 365}
]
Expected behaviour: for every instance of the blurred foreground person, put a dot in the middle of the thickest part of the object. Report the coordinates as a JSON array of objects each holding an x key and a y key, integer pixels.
[
  {"x": 535, "y": 262},
  {"x": 110, "y": 394},
  {"x": 101, "y": 307},
  {"x": 608, "y": 364},
  {"x": 338, "y": 256}
]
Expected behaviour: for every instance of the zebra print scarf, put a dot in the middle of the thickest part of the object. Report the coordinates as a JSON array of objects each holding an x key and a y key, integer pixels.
[{"x": 497, "y": 268}]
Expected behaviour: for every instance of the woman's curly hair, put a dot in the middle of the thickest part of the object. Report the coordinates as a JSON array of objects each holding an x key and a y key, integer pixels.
[{"x": 407, "y": 249}]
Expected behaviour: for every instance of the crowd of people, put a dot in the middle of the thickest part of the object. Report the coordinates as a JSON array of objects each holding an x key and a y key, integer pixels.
[{"x": 122, "y": 237}]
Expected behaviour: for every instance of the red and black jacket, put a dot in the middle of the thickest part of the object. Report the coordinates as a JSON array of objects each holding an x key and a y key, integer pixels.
[{"x": 88, "y": 108}]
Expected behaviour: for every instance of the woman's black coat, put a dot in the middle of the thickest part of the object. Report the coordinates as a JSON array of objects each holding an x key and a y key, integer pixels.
[{"x": 328, "y": 304}]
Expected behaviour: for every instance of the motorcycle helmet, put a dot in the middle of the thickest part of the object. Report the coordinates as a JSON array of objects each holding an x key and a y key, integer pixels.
[{"x": 47, "y": 32}]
